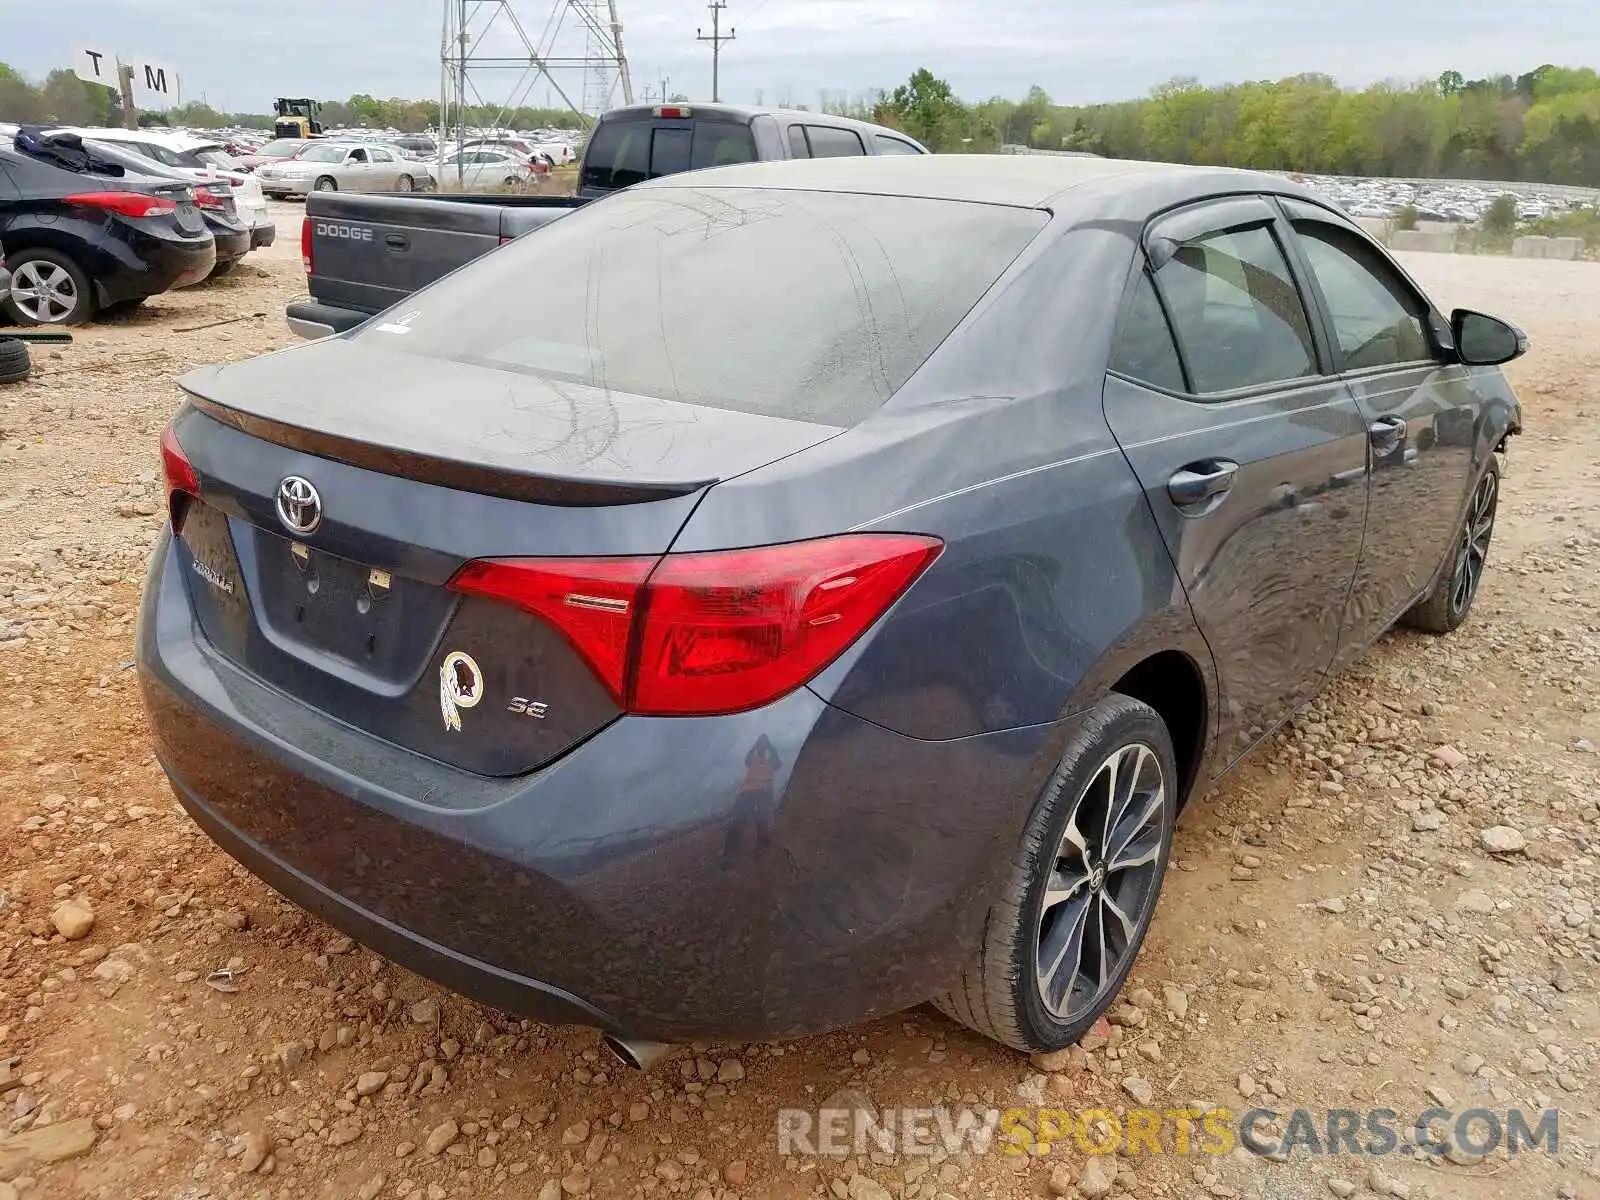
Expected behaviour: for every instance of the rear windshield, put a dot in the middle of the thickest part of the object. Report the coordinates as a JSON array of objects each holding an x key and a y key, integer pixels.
[
  {"x": 623, "y": 153},
  {"x": 813, "y": 306}
]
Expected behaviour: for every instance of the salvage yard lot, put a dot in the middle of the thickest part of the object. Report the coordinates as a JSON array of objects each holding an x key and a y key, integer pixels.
[{"x": 1335, "y": 933}]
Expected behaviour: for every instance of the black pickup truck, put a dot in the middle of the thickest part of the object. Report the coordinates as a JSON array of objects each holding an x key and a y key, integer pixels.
[{"x": 364, "y": 253}]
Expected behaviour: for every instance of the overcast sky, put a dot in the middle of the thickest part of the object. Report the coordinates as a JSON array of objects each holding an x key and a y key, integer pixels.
[{"x": 239, "y": 54}]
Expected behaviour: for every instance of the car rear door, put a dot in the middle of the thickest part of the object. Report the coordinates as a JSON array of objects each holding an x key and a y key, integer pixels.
[
  {"x": 1420, "y": 410},
  {"x": 1251, "y": 452}
]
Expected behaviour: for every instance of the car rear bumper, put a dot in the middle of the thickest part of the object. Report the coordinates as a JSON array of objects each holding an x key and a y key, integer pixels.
[
  {"x": 287, "y": 187},
  {"x": 312, "y": 319},
  {"x": 137, "y": 263},
  {"x": 765, "y": 874}
]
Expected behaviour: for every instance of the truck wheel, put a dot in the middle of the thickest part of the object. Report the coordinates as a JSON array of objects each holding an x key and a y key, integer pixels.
[
  {"x": 327, "y": 184},
  {"x": 47, "y": 288},
  {"x": 14, "y": 364}
]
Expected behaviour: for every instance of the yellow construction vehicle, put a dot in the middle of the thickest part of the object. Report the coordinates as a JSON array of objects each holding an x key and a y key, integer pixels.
[{"x": 297, "y": 118}]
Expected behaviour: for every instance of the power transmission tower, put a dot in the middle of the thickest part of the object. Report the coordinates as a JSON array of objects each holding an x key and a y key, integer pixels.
[
  {"x": 490, "y": 36},
  {"x": 716, "y": 39}
]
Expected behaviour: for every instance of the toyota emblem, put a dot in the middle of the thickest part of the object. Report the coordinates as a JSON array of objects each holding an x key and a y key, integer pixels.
[{"x": 299, "y": 506}]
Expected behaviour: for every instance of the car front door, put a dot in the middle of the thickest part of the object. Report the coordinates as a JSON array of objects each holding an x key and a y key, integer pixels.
[
  {"x": 1420, "y": 409},
  {"x": 356, "y": 173},
  {"x": 1251, "y": 453}
]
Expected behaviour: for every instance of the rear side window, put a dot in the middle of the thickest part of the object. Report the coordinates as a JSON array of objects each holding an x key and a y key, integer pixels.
[
  {"x": 893, "y": 145},
  {"x": 827, "y": 142},
  {"x": 1145, "y": 350},
  {"x": 1237, "y": 315},
  {"x": 806, "y": 305}
]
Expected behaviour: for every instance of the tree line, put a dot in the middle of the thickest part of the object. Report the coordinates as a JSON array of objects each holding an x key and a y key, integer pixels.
[{"x": 1541, "y": 126}]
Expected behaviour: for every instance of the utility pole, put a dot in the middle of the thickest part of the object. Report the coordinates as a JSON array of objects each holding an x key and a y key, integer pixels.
[
  {"x": 716, "y": 39},
  {"x": 130, "y": 115}
]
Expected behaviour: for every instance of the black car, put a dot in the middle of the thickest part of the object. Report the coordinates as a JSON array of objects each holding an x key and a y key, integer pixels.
[
  {"x": 214, "y": 199},
  {"x": 625, "y": 664},
  {"x": 79, "y": 243}
]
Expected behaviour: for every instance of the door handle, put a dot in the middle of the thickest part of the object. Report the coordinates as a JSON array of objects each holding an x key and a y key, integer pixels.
[
  {"x": 1201, "y": 481},
  {"x": 1386, "y": 432},
  {"x": 396, "y": 241}
]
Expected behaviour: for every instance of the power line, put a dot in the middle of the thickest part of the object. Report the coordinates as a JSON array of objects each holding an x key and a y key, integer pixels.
[{"x": 716, "y": 39}]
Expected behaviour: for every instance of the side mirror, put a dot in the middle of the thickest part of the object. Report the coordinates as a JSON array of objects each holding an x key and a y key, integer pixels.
[{"x": 1485, "y": 341}]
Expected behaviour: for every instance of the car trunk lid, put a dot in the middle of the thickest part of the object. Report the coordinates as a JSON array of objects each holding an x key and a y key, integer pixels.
[{"x": 419, "y": 467}]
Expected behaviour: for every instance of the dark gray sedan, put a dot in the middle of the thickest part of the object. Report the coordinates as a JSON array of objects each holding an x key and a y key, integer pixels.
[{"x": 778, "y": 595}]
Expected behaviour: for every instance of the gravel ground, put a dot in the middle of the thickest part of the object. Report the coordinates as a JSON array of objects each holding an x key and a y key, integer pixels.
[{"x": 1391, "y": 905}]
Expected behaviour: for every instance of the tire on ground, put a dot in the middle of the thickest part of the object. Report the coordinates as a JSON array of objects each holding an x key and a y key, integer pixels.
[
  {"x": 997, "y": 993},
  {"x": 14, "y": 361}
]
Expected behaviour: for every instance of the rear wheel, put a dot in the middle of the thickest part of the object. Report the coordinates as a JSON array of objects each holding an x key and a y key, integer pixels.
[
  {"x": 405, "y": 183},
  {"x": 48, "y": 288},
  {"x": 14, "y": 363},
  {"x": 327, "y": 184},
  {"x": 1444, "y": 608},
  {"x": 1063, "y": 935}
]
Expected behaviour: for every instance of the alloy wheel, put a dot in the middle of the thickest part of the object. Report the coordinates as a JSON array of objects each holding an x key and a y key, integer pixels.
[
  {"x": 404, "y": 183},
  {"x": 44, "y": 292},
  {"x": 1102, "y": 884},
  {"x": 1473, "y": 550}
]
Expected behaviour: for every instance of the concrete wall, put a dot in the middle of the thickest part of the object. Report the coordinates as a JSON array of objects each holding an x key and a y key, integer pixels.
[
  {"x": 1416, "y": 239},
  {"x": 1564, "y": 248}
]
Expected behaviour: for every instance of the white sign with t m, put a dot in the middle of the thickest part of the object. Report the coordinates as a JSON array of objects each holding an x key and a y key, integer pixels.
[{"x": 95, "y": 65}]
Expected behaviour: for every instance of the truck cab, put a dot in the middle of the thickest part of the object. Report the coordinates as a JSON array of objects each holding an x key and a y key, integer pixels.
[{"x": 640, "y": 142}]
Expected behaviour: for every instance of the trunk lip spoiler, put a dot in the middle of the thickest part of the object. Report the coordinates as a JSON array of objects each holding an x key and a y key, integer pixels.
[{"x": 445, "y": 472}]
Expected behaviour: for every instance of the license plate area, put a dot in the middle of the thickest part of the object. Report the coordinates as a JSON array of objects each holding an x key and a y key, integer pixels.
[{"x": 381, "y": 622}]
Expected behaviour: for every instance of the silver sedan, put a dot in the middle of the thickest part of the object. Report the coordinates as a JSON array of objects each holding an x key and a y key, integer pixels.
[{"x": 343, "y": 167}]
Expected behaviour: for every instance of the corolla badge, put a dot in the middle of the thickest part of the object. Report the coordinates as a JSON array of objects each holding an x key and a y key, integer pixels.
[
  {"x": 299, "y": 506},
  {"x": 460, "y": 686}
]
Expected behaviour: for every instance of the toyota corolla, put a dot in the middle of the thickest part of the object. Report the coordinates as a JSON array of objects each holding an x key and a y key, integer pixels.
[{"x": 783, "y": 594}]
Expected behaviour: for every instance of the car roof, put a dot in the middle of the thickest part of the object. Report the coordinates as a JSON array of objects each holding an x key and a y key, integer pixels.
[
  {"x": 746, "y": 112},
  {"x": 1019, "y": 180},
  {"x": 160, "y": 137}
]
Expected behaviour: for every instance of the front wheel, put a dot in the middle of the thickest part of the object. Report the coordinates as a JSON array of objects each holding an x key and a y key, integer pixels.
[
  {"x": 327, "y": 184},
  {"x": 1063, "y": 934},
  {"x": 1444, "y": 608}
]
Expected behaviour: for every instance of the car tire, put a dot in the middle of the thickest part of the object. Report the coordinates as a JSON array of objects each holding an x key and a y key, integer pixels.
[
  {"x": 406, "y": 184},
  {"x": 327, "y": 184},
  {"x": 1063, "y": 890},
  {"x": 1443, "y": 609},
  {"x": 15, "y": 364},
  {"x": 64, "y": 278}
]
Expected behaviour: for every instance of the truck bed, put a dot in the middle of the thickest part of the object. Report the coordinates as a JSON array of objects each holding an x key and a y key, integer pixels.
[{"x": 368, "y": 252}]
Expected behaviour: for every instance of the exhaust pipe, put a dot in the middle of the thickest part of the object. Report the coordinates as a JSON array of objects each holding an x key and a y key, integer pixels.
[{"x": 636, "y": 1053}]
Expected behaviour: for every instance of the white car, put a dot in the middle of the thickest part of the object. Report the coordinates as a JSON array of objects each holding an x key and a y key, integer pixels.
[
  {"x": 200, "y": 159},
  {"x": 330, "y": 166},
  {"x": 484, "y": 166},
  {"x": 559, "y": 152}
]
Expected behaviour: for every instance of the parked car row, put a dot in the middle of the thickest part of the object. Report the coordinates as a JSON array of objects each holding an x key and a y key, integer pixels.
[{"x": 91, "y": 223}]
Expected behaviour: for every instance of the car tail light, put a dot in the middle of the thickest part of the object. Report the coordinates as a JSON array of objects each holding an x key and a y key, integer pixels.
[
  {"x": 182, "y": 481},
  {"x": 714, "y": 632},
  {"x": 305, "y": 242},
  {"x": 206, "y": 198},
  {"x": 125, "y": 204}
]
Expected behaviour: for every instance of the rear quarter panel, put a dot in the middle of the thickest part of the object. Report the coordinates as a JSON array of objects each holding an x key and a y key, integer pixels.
[{"x": 1054, "y": 579}]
